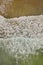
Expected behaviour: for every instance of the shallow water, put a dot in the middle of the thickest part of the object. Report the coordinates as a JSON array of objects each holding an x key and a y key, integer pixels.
[{"x": 16, "y": 8}]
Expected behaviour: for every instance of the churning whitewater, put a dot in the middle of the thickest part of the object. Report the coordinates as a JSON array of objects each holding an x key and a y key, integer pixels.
[{"x": 22, "y": 35}]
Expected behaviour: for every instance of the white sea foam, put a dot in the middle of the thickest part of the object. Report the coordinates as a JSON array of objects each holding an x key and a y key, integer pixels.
[
  {"x": 23, "y": 35},
  {"x": 30, "y": 26},
  {"x": 21, "y": 45}
]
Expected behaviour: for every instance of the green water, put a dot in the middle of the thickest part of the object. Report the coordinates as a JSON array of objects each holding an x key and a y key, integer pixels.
[
  {"x": 6, "y": 59},
  {"x": 20, "y": 59}
]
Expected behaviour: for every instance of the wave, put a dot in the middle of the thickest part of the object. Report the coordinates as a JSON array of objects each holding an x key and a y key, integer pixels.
[
  {"x": 25, "y": 26},
  {"x": 23, "y": 35}
]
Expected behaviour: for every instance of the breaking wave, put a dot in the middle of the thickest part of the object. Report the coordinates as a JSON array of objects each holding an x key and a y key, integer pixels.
[{"x": 23, "y": 35}]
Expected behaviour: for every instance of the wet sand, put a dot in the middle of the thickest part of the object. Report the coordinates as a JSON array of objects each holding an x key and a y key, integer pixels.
[{"x": 17, "y": 8}]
